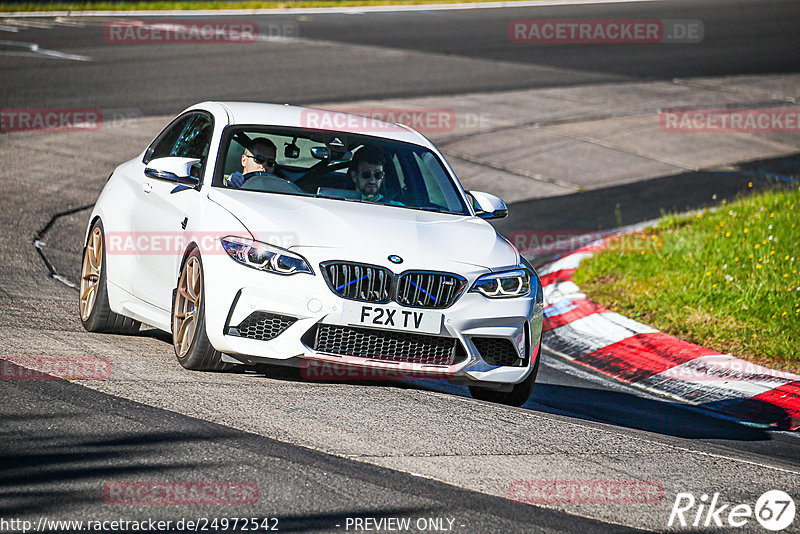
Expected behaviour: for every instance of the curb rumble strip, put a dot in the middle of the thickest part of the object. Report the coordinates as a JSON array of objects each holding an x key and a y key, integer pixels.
[{"x": 587, "y": 334}]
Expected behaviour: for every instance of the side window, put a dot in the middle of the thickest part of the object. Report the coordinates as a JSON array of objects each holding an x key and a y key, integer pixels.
[
  {"x": 195, "y": 138},
  {"x": 162, "y": 146},
  {"x": 188, "y": 137}
]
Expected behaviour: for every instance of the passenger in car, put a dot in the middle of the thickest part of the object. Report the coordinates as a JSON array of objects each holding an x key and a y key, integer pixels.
[
  {"x": 259, "y": 157},
  {"x": 367, "y": 172}
]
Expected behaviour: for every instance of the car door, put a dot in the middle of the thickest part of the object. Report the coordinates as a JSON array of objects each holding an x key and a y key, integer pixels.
[{"x": 165, "y": 209}]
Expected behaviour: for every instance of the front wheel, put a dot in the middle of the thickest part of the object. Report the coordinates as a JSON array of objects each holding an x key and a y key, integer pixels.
[
  {"x": 192, "y": 347},
  {"x": 517, "y": 396},
  {"x": 95, "y": 312}
]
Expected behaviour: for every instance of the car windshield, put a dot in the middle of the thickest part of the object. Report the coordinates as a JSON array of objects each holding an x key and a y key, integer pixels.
[{"x": 336, "y": 165}]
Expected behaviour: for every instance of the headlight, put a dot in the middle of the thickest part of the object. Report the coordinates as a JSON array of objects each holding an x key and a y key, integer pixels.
[
  {"x": 508, "y": 284},
  {"x": 264, "y": 257}
]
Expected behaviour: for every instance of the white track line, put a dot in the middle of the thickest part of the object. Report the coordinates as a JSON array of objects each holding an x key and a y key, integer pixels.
[
  {"x": 34, "y": 49},
  {"x": 320, "y": 10}
]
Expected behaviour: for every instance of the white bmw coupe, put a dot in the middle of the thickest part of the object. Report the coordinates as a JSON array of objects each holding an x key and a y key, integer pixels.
[{"x": 259, "y": 233}]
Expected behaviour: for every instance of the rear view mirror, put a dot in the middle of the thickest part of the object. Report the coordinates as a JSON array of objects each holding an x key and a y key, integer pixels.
[
  {"x": 320, "y": 152},
  {"x": 324, "y": 153},
  {"x": 291, "y": 150}
]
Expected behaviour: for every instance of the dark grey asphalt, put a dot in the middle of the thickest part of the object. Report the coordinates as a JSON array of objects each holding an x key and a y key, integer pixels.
[
  {"x": 62, "y": 443},
  {"x": 740, "y": 38},
  {"x": 403, "y": 55}
]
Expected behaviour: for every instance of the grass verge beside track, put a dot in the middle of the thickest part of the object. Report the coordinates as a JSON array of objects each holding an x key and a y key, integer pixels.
[
  {"x": 725, "y": 278},
  {"x": 201, "y": 5}
]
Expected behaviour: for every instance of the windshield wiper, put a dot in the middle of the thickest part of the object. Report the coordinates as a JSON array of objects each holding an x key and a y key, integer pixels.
[
  {"x": 336, "y": 197},
  {"x": 436, "y": 210}
]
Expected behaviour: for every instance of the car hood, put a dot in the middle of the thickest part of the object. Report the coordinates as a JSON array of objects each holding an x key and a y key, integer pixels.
[{"x": 368, "y": 230}]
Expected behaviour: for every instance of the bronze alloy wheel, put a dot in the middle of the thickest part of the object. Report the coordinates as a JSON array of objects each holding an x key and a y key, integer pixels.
[
  {"x": 93, "y": 306},
  {"x": 90, "y": 273},
  {"x": 187, "y": 306},
  {"x": 192, "y": 347}
]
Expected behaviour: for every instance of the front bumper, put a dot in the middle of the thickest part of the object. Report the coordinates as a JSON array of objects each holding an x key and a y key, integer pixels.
[{"x": 235, "y": 292}]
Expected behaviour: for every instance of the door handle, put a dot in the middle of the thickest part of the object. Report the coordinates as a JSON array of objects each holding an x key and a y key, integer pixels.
[{"x": 147, "y": 186}]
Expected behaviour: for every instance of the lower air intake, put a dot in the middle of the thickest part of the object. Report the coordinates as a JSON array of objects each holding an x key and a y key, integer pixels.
[
  {"x": 497, "y": 351},
  {"x": 387, "y": 345},
  {"x": 262, "y": 326}
]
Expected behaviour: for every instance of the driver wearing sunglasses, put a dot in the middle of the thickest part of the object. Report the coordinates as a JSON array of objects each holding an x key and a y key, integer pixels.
[
  {"x": 366, "y": 171},
  {"x": 260, "y": 157}
]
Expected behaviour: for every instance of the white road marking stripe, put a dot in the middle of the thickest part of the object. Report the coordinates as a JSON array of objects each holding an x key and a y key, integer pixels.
[
  {"x": 29, "y": 23},
  {"x": 554, "y": 293},
  {"x": 594, "y": 332},
  {"x": 66, "y": 21},
  {"x": 35, "y": 49},
  {"x": 319, "y": 10}
]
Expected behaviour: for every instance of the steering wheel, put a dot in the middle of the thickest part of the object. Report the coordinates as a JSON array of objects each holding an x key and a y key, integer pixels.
[{"x": 259, "y": 173}]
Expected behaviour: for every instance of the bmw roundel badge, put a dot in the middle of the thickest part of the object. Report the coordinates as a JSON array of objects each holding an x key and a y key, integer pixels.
[{"x": 394, "y": 258}]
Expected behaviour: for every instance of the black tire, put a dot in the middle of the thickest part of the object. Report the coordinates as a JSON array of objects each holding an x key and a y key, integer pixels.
[
  {"x": 96, "y": 316},
  {"x": 517, "y": 396},
  {"x": 200, "y": 355}
]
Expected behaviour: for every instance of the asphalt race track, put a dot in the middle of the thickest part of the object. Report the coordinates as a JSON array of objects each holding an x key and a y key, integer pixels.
[
  {"x": 355, "y": 56},
  {"x": 323, "y": 453}
]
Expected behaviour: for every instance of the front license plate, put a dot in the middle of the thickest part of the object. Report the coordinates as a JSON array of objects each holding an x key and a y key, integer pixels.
[{"x": 392, "y": 317}]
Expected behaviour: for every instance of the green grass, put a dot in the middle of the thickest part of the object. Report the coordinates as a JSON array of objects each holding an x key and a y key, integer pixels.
[
  {"x": 726, "y": 278},
  {"x": 188, "y": 5}
]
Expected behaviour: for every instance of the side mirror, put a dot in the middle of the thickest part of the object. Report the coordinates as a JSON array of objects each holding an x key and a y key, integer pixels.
[
  {"x": 173, "y": 169},
  {"x": 488, "y": 206}
]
